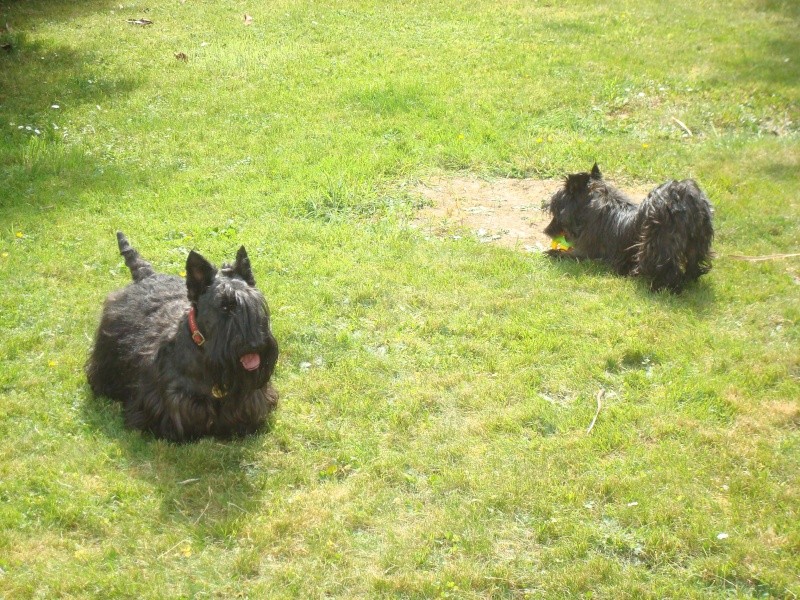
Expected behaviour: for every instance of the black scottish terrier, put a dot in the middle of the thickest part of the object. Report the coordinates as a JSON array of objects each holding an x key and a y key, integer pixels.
[
  {"x": 666, "y": 239},
  {"x": 187, "y": 359}
]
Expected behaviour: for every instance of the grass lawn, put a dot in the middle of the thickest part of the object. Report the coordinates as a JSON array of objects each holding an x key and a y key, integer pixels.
[{"x": 435, "y": 393}]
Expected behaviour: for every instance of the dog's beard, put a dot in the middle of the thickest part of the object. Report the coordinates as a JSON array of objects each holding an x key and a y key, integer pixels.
[
  {"x": 231, "y": 374},
  {"x": 240, "y": 350}
]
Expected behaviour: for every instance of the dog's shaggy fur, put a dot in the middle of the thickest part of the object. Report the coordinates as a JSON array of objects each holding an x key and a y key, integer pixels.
[
  {"x": 666, "y": 239},
  {"x": 145, "y": 355}
]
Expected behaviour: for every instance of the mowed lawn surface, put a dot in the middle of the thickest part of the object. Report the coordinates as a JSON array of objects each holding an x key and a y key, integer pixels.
[{"x": 435, "y": 393}]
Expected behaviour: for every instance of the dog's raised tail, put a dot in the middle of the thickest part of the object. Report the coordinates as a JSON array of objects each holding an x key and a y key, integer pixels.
[{"x": 139, "y": 267}]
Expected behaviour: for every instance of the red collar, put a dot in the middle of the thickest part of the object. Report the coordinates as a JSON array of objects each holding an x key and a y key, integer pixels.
[{"x": 197, "y": 337}]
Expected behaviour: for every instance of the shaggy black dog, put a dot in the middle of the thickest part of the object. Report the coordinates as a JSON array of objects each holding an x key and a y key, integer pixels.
[
  {"x": 187, "y": 359},
  {"x": 666, "y": 239}
]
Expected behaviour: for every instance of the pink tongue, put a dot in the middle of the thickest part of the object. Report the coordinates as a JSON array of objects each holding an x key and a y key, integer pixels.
[{"x": 251, "y": 361}]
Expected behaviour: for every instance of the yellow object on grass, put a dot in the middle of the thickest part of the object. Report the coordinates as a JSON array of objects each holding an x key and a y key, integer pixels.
[{"x": 560, "y": 243}]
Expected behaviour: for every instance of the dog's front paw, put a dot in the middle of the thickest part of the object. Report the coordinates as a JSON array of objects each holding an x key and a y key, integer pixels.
[
  {"x": 563, "y": 254},
  {"x": 554, "y": 253}
]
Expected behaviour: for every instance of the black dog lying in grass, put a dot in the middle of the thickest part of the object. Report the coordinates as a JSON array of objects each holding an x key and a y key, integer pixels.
[
  {"x": 666, "y": 239},
  {"x": 187, "y": 359}
]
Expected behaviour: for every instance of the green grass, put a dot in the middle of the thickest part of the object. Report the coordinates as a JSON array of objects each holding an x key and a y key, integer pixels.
[{"x": 436, "y": 446}]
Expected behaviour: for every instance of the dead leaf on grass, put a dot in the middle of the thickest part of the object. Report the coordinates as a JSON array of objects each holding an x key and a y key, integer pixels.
[
  {"x": 248, "y": 20},
  {"x": 182, "y": 56},
  {"x": 141, "y": 22}
]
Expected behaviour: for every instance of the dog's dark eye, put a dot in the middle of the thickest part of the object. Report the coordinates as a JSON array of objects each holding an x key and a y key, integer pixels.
[{"x": 228, "y": 305}]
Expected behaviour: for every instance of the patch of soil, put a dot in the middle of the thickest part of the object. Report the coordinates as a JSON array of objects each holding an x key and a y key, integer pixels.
[{"x": 507, "y": 212}]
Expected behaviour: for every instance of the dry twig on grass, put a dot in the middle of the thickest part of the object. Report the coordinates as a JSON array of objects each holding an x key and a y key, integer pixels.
[
  {"x": 683, "y": 126},
  {"x": 762, "y": 258},
  {"x": 599, "y": 397}
]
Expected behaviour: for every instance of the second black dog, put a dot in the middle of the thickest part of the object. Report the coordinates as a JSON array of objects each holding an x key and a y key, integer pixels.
[
  {"x": 666, "y": 239},
  {"x": 187, "y": 359}
]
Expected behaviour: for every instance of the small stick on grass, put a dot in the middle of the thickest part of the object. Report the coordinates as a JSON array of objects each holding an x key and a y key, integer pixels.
[
  {"x": 163, "y": 554},
  {"x": 762, "y": 258},
  {"x": 600, "y": 395},
  {"x": 683, "y": 126},
  {"x": 197, "y": 520}
]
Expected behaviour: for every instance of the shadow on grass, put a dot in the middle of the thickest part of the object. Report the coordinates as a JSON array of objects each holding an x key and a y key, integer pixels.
[
  {"x": 698, "y": 296},
  {"x": 20, "y": 13},
  {"x": 783, "y": 171},
  {"x": 207, "y": 486},
  {"x": 777, "y": 65},
  {"x": 40, "y": 83},
  {"x": 790, "y": 8},
  {"x": 776, "y": 60}
]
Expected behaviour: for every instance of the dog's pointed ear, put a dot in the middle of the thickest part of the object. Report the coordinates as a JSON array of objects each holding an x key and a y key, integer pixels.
[
  {"x": 595, "y": 174},
  {"x": 199, "y": 275},
  {"x": 577, "y": 182},
  {"x": 242, "y": 267}
]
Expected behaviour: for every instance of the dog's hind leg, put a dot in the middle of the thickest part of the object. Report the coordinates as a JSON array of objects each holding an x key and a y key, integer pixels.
[
  {"x": 139, "y": 267},
  {"x": 668, "y": 276},
  {"x": 700, "y": 233},
  {"x": 103, "y": 369},
  {"x": 698, "y": 263},
  {"x": 657, "y": 260}
]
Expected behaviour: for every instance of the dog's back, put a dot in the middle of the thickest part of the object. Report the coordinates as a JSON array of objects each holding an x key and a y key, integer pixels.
[
  {"x": 122, "y": 341},
  {"x": 610, "y": 225},
  {"x": 675, "y": 235}
]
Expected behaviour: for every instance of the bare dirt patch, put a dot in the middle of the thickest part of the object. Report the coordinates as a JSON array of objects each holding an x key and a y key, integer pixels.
[{"x": 507, "y": 212}]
